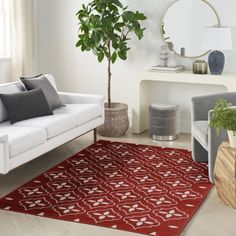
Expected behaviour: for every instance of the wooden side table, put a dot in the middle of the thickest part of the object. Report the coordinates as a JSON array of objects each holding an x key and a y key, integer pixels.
[{"x": 225, "y": 174}]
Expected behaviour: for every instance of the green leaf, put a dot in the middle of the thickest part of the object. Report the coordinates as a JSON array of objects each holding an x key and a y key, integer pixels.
[
  {"x": 140, "y": 16},
  {"x": 119, "y": 26},
  {"x": 84, "y": 28},
  {"x": 100, "y": 56},
  {"x": 97, "y": 37},
  {"x": 113, "y": 8},
  {"x": 113, "y": 57},
  {"x": 129, "y": 16},
  {"x": 83, "y": 48},
  {"x": 136, "y": 25},
  {"x": 122, "y": 45},
  {"x": 125, "y": 8},
  {"x": 79, "y": 12},
  {"x": 139, "y": 33},
  {"x": 115, "y": 44},
  {"x": 79, "y": 43},
  {"x": 122, "y": 55},
  {"x": 117, "y": 3}
]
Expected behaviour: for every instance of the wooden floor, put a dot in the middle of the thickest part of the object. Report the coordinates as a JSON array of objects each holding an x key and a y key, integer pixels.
[{"x": 212, "y": 219}]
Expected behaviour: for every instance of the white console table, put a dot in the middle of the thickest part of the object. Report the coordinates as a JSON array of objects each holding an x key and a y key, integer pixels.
[{"x": 167, "y": 84}]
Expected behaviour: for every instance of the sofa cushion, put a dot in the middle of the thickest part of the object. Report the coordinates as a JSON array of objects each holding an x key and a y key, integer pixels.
[
  {"x": 54, "y": 125},
  {"x": 22, "y": 139},
  {"x": 200, "y": 131},
  {"x": 42, "y": 82},
  {"x": 26, "y": 105},
  {"x": 82, "y": 112},
  {"x": 6, "y": 89}
]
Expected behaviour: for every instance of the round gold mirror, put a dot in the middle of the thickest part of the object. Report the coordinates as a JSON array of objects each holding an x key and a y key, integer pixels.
[{"x": 183, "y": 25}]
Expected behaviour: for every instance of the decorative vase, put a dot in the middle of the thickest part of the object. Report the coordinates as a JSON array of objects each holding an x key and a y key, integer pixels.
[
  {"x": 164, "y": 55},
  {"x": 200, "y": 67},
  {"x": 216, "y": 62},
  {"x": 116, "y": 120},
  {"x": 172, "y": 59}
]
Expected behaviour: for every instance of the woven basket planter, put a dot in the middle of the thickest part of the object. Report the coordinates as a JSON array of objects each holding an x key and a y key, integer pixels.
[{"x": 116, "y": 120}]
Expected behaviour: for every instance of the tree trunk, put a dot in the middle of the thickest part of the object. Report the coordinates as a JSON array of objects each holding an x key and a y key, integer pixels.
[{"x": 109, "y": 78}]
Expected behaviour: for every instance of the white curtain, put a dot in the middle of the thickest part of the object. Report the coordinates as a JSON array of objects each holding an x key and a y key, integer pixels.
[{"x": 23, "y": 38}]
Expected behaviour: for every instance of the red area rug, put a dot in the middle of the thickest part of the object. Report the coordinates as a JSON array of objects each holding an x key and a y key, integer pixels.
[{"x": 143, "y": 189}]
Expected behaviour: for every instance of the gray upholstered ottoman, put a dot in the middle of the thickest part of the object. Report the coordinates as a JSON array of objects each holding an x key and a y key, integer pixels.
[{"x": 163, "y": 121}]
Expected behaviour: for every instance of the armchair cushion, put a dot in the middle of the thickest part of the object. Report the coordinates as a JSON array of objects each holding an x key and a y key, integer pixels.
[{"x": 200, "y": 132}]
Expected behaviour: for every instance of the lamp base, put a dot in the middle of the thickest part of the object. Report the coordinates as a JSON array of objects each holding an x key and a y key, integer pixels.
[{"x": 216, "y": 62}]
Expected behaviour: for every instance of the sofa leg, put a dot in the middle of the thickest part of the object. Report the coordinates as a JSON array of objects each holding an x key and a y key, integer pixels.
[{"x": 95, "y": 135}]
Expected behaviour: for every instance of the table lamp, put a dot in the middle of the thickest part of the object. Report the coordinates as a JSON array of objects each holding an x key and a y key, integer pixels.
[{"x": 216, "y": 39}]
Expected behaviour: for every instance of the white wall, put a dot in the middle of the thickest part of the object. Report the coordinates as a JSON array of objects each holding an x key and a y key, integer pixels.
[{"x": 80, "y": 72}]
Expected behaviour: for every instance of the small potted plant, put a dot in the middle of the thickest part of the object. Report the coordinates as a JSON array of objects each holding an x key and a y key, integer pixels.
[
  {"x": 224, "y": 117},
  {"x": 104, "y": 29}
]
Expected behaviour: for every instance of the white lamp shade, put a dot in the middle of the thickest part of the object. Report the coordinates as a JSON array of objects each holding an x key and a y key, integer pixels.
[{"x": 217, "y": 38}]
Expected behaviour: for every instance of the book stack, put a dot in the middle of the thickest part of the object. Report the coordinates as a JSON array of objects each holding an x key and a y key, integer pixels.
[{"x": 176, "y": 69}]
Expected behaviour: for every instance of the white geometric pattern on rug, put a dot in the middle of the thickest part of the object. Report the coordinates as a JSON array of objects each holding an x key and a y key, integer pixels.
[{"x": 138, "y": 188}]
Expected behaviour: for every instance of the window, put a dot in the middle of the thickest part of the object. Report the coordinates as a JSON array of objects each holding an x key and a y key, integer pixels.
[{"x": 5, "y": 34}]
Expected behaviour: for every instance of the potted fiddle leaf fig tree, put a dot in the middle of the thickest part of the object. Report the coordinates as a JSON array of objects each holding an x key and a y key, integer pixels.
[
  {"x": 224, "y": 117},
  {"x": 104, "y": 29}
]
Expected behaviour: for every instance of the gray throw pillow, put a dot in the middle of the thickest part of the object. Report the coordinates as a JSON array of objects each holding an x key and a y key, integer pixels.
[
  {"x": 26, "y": 105},
  {"x": 50, "y": 92}
]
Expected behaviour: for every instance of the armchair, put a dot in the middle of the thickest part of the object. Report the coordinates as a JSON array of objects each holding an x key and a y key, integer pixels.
[{"x": 205, "y": 141}]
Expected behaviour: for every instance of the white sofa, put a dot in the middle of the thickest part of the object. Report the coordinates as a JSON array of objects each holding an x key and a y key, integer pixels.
[{"x": 28, "y": 139}]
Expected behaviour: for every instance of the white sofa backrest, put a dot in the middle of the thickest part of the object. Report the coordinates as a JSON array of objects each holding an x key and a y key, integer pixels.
[{"x": 16, "y": 87}]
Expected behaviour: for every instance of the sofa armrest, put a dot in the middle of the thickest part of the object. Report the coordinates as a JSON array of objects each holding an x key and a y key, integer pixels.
[
  {"x": 4, "y": 154},
  {"x": 201, "y": 105},
  {"x": 79, "y": 98}
]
